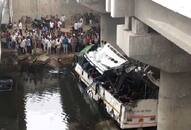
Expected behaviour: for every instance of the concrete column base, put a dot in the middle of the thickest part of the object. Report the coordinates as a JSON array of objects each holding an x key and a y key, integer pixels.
[
  {"x": 139, "y": 27},
  {"x": 174, "y": 101},
  {"x": 127, "y": 23}
]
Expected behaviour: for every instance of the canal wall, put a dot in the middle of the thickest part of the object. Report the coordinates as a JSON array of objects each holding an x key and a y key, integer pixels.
[{"x": 35, "y": 8}]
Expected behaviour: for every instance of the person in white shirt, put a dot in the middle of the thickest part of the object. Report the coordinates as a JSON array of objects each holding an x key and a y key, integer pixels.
[
  {"x": 49, "y": 36},
  {"x": 70, "y": 43},
  {"x": 76, "y": 26},
  {"x": 13, "y": 39},
  {"x": 14, "y": 25},
  {"x": 90, "y": 22},
  {"x": 53, "y": 45},
  {"x": 44, "y": 43},
  {"x": 69, "y": 40},
  {"x": 49, "y": 46},
  {"x": 58, "y": 45},
  {"x": 23, "y": 45},
  {"x": 51, "y": 26},
  {"x": 81, "y": 20},
  {"x": 59, "y": 24},
  {"x": 80, "y": 27},
  {"x": 62, "y": 37},
  {"x": 20, "y": 27},
  {"x": 63, "y": 19}
]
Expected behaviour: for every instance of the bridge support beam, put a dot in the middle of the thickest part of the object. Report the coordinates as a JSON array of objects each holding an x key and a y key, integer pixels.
[{"x": 174, "y": 101}]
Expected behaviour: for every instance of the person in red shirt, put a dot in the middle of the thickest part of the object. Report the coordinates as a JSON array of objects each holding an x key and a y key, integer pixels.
[
  {"x": 55, "y": 24},
  {"x": 88, "y": 40}
]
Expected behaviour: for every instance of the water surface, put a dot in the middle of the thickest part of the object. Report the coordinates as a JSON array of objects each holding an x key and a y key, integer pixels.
[{"x": 41, "y": 101}]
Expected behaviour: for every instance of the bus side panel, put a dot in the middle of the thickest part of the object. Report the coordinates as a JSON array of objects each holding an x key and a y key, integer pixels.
[
  {"x": 113, "y": 106},
  {"x": 143, "y": 114}
]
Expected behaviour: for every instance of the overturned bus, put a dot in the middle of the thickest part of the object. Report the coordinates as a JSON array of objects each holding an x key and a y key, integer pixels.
[{"x": 122, "y": 86}]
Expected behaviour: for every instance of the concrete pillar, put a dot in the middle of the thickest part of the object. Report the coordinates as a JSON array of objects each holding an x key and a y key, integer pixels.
[
  {"x": 109, "y": 28},
  {"x": 139, "y": 27},
  {"x": 108, "y": 5},
  {"x": 174, "y": 101},
  {"x": 127, "y": 23},
  {"x": 122, "y": 8}
]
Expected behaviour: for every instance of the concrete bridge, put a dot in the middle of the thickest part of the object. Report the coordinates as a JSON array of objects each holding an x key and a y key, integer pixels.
[{"x": 156, "y": 32}]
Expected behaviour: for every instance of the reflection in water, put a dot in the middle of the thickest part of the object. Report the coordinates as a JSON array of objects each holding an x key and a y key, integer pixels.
[
  {"x": 41, "y": 101},
  {"x": 8, "y": 112},
  {"x": 44, "y": 112}
]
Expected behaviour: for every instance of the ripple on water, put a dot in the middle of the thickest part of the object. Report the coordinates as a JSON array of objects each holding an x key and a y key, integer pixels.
[{"x": 44, "y": 112}]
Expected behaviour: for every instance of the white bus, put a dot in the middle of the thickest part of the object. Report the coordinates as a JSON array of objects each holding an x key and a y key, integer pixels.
[{"x": 123, "y": 88}]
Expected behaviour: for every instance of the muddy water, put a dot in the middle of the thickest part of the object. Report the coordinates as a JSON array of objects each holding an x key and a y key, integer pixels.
[{"x": 41, "y": 101}]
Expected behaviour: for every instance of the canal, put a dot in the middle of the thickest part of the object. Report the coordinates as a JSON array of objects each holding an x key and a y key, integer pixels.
[{"x": 42, "y": 101}]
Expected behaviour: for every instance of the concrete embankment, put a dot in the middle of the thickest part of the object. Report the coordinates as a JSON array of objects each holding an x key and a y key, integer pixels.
[
  {"x": 54, "y": 61},
  {"x": 36, "y": 8}
]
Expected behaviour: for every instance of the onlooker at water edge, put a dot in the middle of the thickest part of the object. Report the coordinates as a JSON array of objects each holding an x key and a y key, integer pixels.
[
  {"x": 29, "y": 45},
  {"x": 59, "y": 24},
  {"x": 48, "y": 35},
  {"x": 53, "y": 46},
  {"x": 58, "y": 45},
  {"x": 51, "y": 26},
  {"x": 49, "y": 46},
  {"x": 73, "y": 43},
  {"x": 13, "y": 40},
  {"x": 82, "y": 20},
  {"x": 76, "y": 27},
  {"x": 63, "y": 19},
  {"x": 14, "y": 25},
  {"x": 65, "y": 45},
  {"x": 20, "y": 27},
  {"x": 70, "y": 43},
  {"x": 23, "y": 45}
]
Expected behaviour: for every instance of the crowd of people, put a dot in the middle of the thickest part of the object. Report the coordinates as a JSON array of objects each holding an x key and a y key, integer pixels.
[{"x": 49, "y": 35}]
